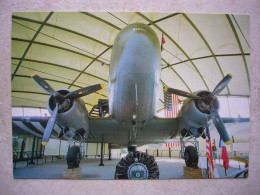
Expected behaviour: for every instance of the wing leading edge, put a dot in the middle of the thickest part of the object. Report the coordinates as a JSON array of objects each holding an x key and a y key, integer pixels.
[{"x": 158, "y": 130}]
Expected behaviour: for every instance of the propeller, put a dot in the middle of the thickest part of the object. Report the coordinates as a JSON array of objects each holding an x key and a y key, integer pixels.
[
  {"x": 207, "y": 102},
  {"x": 222, "y": 84},
  {"x": 50, "y": 125},
  {"x": 62, "y": 101},
  {"x": 180, "y": 93},
  {"x": 43, "y": 84}
]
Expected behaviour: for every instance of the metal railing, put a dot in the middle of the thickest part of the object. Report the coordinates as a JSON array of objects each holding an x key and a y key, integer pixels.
[
  {"x": 164, "y": 153},
  {"x": 176, "y": 153},
  {"x": 27, "y": 157},
  {"x": 19, "y": 156}
]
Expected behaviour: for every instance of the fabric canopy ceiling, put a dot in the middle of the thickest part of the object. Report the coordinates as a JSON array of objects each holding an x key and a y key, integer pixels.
[{"x": 72, "y": 50}]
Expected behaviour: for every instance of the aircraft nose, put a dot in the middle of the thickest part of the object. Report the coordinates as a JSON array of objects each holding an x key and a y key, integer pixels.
[{"x": 141, "y": 50}]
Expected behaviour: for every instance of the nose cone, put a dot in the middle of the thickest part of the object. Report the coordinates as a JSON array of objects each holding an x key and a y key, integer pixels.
[
  {"x": 140, "y": 48},
  {"x": 137, "y": 28}
]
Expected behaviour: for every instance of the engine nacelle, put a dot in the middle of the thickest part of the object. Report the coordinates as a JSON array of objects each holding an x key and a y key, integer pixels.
[
  {"x": 72, "y": 113},
  {"x": 194, "y": 113}
]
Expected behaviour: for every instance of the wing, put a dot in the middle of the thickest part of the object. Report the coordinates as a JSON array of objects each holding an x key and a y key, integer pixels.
[
  {"x": 158, "y": 130},
  {"x": 161, "y": 129},
  {"x": 235, "y": 120},
  {"x": 232, "y": 120},
  {"x": 32, "y": 126},
  {"x": 105, "y": 127}
]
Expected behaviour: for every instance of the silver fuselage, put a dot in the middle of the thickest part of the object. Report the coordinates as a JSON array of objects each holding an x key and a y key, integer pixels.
[{"x": 134, "y": 75}]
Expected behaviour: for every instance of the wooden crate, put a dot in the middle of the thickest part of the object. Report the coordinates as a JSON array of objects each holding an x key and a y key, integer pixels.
[
  {"x": 72, "y": 173},
  {"x": 192, "y": 173}
]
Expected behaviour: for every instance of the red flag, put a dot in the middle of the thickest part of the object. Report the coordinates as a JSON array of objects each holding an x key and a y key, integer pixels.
[
  {"x": 209, "y": 153},
  {"x": 162, "y": 43},
  {"x": 224, "y": 154},
  {"x": 163, "y": 40}
]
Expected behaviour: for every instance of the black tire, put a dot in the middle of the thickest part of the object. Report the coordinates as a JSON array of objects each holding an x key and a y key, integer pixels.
[
  {"x": 191, "y": 157},
  {"x": 142, "y": 158},
  {"x": 73, "y": 157},
  {"x": 131, "y": 148}
]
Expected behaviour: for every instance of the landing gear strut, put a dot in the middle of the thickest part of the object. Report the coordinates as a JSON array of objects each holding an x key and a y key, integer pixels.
[
  {"x": 190, "y": 153},
  {"x": 137, "y": 165}
]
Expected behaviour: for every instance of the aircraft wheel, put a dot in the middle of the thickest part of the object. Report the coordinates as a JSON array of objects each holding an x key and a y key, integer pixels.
[
  {"x": 191, "y": 157},
  {"x": 137, "y": 165},
  {"x": 73, "y": 157}
]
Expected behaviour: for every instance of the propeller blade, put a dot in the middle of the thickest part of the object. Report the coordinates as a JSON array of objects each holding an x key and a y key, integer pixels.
[
  {"x": 218, "y": 122},
  {"x": 181, "y": 93},
  {"x": 43, "y": 84},
  {"x": 49, "y": 127},
  {"x": 222, "y": 84},
  {"x": 84, "y": 91}
]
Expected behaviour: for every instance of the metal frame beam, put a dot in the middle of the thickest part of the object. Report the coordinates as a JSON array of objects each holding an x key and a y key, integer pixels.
[
  {"x": 53, "y": 80},
  {"x": 30, "y": 44},
  {"x": 177, "y": 45},
  {"x": 206, "y": 43},
  {"x": 60, "y": 28},
  {"x": 178, "y": 75},
  {"x": 60, "y": 66},
  {"x": 240, "y": 47},
  {"x": 117, "y": 18},
  {"x": 38, "y": 93},
  {"x": 101, "y": 20},
  {"x": 28, "y": 107},
  {"x": 57, "y": 47},
  {"x": 89, "y": 65},
  {"x": 30, "y": 92},
  {"x": 241, "y": 30},
  {"x": 204, "y": 57},
  {"x": 108, "y": 23},
  {"x": 51, "y": 37},
  {"x": 28, "y": 99},
  {"x": 164, "y": 18}
]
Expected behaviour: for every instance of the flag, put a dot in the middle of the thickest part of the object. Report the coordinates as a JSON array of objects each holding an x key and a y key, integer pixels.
[
  {"x": 171, "y": 145},
  {"x": 209, "y": 154},
  {"x": 162, "y": 43},
  {"x": 171, "y": 105},
  {"x": 224, "y": 154}
]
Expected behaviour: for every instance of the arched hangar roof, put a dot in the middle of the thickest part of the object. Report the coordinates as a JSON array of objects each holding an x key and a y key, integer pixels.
[{"x": 72, "y": 50}]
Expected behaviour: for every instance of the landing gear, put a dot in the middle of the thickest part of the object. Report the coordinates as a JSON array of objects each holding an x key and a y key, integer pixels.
[
  {"x": 74, "y": 152},
  {"x": 191, "y": 157},
  {"x": 73, "y": 157},
  {"x": 137, "y": 165},
  {"x": 190, "y": 153}
]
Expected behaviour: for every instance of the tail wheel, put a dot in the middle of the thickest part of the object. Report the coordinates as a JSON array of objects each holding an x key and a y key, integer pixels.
[
  {"x": 137, "y": 165},
  {"x": 191, "y": 157},
  {"x": 73, "y": 157}
]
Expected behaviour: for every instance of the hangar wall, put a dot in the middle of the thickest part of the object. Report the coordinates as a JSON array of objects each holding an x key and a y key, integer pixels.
[{"x": 58, "y": 147}]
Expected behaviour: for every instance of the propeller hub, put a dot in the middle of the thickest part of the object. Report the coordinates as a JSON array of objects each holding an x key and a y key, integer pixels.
[
  {"x": 206, "y": 104},
  {"x": 58, "y": 97}
]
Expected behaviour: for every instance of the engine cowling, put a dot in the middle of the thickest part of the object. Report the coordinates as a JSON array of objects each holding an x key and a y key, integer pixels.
[
  {"x": 72, "y": 113},
  {"x": 194, "y": 114}
]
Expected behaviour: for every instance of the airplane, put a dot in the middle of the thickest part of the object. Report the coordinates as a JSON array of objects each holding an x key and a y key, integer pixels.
[{"x": 133, "y": 86}]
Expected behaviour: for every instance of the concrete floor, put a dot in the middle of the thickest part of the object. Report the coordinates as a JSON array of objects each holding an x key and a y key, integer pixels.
[{"x": 169, "y": 169}]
